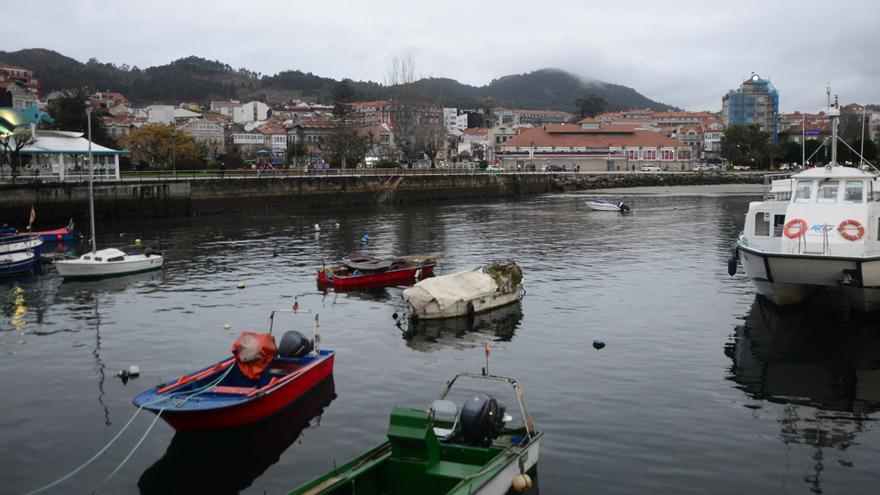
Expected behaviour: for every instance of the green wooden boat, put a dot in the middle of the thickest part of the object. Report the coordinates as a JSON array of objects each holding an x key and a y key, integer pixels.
[{"x": 443, "y": 450}]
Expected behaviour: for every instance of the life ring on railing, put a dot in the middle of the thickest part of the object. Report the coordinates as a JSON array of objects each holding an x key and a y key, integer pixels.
[
  {"x": 844, "y": 229},
  {"x": 801, "y": 228}
]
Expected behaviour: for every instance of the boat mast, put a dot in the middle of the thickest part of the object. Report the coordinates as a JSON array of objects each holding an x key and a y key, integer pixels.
[
  {"x": 834, "y": 113},
  {"x": 91, "y": 178}
]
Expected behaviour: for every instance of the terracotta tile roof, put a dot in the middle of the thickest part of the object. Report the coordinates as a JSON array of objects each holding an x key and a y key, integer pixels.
[
  {"x": 315, "y": 123},
  {"x": 476, "y": 131},
  {"x": 539, "y": 136}
]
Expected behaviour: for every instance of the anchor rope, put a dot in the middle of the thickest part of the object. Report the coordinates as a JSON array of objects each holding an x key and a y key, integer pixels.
[{"x": 103, "y": 449}]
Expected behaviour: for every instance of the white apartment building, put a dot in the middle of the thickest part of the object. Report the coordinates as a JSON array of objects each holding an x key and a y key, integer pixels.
[{"x": 252, "y": 111}]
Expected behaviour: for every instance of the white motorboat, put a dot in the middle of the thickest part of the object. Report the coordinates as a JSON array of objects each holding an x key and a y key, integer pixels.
[
  {"x": 465, "y": 293},
  {"x": 822, "y": 230},
  {"x": 602, "y": 204},
  {"x": 105, "y": 262}
]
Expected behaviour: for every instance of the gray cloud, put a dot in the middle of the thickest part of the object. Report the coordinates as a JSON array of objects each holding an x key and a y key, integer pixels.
[{"x": 683, "y": 53}]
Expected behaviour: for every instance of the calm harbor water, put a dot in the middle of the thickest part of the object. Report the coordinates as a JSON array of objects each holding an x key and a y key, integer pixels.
[{"x": 702, "y": 388}]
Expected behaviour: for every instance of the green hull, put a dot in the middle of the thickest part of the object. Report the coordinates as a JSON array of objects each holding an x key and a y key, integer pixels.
[{"x": 414, "y": 461}]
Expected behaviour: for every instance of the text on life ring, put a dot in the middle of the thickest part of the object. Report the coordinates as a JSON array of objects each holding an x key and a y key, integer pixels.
[
  {"x": 851, "y": 229},
  {"x": 795, "y": 228}
]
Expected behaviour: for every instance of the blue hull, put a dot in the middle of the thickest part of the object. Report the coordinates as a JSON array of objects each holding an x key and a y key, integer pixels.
[{"x": 10, "y": 269}]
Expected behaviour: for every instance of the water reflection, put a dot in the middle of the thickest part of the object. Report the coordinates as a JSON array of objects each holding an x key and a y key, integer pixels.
[
  {"x": 822, "y": 365},
  {"x": 229, "y": 461},
  {"x": 461, "y": 333}
]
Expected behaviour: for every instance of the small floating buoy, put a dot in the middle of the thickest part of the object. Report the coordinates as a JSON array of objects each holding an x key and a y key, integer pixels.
[
  {"x": 366, "y": 238},
  {"x": 522, "y": 483},
  {"x": 317, "y": 228},
  {"x": 598, "y": 344},
  {"x": 226, "y": 326},
  {"x": 394, "y": 315},
  {"x": 274, "y": 253},
  {"x": 122, "y": 234},
  {"x": 337, "y": 225},
  {"x": 134, "y": 370},
  {"x": 240, "y": 285},
  {"x": 137, "y": 242}
]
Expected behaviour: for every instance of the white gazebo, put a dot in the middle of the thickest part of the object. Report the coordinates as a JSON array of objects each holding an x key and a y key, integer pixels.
[{"x": 65, "y": 154}]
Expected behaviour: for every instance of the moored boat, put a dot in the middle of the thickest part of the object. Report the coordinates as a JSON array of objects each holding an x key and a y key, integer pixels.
[
  {"x": 443, "y": 450},
  {"x": 466, "y": 293},
  {"x": 62, "y": 234},
  {"x": 109, "y": 262},
  {"x": 362, "y": 272},
  {"x": 818, "y": 229},
  {"x": 16, "y": 263},
  {"x": 259, "y": 380},
  {"x": 20, "y": 243},
  {"x": 603, "y": 204}
]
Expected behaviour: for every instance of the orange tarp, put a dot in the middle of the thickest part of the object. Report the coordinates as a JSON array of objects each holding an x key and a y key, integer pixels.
[{"x": 254, "y": 351}]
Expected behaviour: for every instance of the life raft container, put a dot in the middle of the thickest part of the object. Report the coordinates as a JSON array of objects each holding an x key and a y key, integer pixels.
[
  {"x": 797, "y": 223},
  {"x": 847, "y": 226}
]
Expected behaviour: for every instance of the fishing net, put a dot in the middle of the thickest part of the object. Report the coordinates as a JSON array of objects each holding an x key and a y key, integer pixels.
[{"x": 505, "y": 273}]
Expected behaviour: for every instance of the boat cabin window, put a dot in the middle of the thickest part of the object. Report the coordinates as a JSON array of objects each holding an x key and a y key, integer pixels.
[
  {"x": 762, "y": 224},
  {"x": 778, "y": 225},
  {"x": 854, "y": 192},
  {"x": 117, "y": 258},
  {"x": 87, "y": 257},
  {"x": 827, "y": 192},
  {"x": 802, "y": 193}
]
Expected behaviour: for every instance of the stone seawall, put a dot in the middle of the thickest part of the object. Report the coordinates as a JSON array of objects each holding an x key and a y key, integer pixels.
[{"x": 57, "y": 202}]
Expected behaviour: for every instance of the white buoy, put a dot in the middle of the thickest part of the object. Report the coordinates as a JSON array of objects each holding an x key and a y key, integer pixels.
[
  {"x": 240, "y": 285},
  {"x": 317, "y": 228},
  {"x": 133, "y": 370},
  {"x": 522, "y": 483},
  {"x": 226, "y": 326},
  {"x": 337, "y": 225}
]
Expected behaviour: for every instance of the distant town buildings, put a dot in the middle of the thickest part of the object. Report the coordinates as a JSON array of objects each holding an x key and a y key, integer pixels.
[
  {"x": 755, "y": 102},
  {"x": 19, "y": 87}
]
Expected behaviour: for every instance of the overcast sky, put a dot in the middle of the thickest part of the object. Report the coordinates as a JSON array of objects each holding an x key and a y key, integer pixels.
[{"x": 686, "y": 54}]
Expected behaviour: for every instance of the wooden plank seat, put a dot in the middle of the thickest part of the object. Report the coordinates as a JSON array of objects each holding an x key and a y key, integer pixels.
[{"x": 226, "y": 389}]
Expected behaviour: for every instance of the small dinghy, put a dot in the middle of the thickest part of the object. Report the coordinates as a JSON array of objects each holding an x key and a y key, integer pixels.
[
  {"x": 16, "y": 263},
  {"x": 259, "y": 380},
  {"x": 602, "y": 204},
  {"x": 465, "y": 293},
  {"x": 21, "y": 243},
  {"x": 357, "y": 273},
  {"x": 448, "y": 448}
]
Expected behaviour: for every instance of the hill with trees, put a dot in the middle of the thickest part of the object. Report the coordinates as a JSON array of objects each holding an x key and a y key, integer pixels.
[{"x": 200, "y": 80}]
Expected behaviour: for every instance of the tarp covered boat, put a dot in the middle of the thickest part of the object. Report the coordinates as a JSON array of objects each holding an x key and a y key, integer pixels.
[
  {"x": 466, "y": 293},
  {"x": 443, "y": 450},
  {"x": 255, "y": 383},
  {"x": 358, "y": 271}
]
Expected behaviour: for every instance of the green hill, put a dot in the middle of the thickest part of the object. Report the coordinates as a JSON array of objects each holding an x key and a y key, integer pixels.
[{"x": 200, "y": 80}]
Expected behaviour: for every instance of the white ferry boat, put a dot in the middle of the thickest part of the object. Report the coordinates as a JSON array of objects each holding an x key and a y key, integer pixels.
[{"x": 819, "y": 229}]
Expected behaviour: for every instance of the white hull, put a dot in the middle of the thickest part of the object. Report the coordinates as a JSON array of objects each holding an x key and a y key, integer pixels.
[
  {"x": 501, "y": 483},
  {"x": 82, "y": 268},
  {"x": 789, "y": 279},
  {"x": 432, "y": 310},
  {"x": 599, "y": 207}
]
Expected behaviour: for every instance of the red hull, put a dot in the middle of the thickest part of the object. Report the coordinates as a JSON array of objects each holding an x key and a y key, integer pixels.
[
  {"x": 380, "y": 279},
  {"x": 254, "y": 410}
]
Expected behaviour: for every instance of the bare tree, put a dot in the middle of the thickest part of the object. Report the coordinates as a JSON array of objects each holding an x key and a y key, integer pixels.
[
  {"x": 406, "y": 105},
  {"x": 11, "y": 145},
  {"x": 431, "y": 139}
]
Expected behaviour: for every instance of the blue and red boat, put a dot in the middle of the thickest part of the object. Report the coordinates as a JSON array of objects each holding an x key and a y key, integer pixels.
[
  {"x": 63, "y": 234},
  {"x": 259, "y": 380}
]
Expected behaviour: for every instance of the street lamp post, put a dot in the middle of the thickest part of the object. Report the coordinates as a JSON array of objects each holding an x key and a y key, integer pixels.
[{"x": 174, "y": 151}]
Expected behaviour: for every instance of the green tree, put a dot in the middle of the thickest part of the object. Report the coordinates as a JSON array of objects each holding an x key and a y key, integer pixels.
[
  {"x": 343, "y": 96},
  {"x": 590, "y": 105},
  {"x": 811, "y": 146},
  {"x": 791, "y": 152},
  {"x": 160, "y": 145},
  {"x": 69, "y": 114},
  {"x": 746, "y": 145},
  {"x": 297, "y": 152}
]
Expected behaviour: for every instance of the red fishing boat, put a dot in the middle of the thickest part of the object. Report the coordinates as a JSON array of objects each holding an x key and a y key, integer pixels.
[
  {"x": 255, "y": 383},
  {"x": 358, "y": 271}
]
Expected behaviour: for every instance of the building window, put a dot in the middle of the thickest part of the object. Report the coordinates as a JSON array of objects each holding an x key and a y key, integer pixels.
[{"x": 649, "y": 154}]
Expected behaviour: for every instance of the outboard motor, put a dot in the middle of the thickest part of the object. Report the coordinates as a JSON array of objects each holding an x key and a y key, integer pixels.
[
  {"x": 624, "y": 209},
  {"x": 481, "y": 420},
  {"x": 294, "y": 345}
]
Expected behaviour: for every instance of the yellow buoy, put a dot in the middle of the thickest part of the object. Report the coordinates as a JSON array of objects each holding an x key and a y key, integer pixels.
[
  {"x": 240, "y": 285},
  {"x": 522, "y": 483},
  {"x": 137, "y": 242}
]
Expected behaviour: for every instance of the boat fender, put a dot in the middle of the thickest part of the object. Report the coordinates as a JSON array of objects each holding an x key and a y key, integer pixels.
[
  {"x": 731, "y": 262},
  {"x": 521, "y": 483},
  {"x": 294, "y": 345},
  {"x": 598, "y": 344}
]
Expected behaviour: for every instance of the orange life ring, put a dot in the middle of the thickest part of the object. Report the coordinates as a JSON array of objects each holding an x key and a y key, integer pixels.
[
  {"x": 801, "y": 228},
  {"x": 844, "y": 230}
]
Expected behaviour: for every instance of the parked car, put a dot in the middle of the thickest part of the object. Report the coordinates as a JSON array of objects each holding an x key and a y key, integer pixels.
[
  {"x": 494, "y": 168},
  {"x": 742, "y": 167},
  {"x": 554, "y": 168},
  {"x": 650, "y": 168}
]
